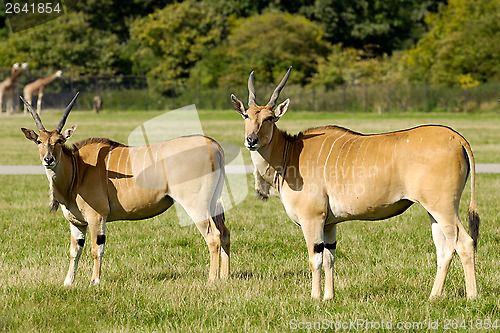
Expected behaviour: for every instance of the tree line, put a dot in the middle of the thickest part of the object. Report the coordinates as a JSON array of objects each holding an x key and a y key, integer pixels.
[{"x": 217, "y": 42}]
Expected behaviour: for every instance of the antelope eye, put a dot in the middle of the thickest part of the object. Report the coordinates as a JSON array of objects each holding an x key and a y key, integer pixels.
[
  {"x": 269, "y": 119},
  {"x": 38, "y": 142},
  {"x": 245, "y": 116}
]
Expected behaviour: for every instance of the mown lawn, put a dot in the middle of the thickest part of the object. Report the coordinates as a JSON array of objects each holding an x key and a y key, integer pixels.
[
  {"x": 481, "y": 130},
  {"x": 155, "y": 272}
]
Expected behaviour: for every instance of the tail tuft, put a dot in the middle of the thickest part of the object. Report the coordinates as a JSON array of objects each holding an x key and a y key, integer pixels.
[
  {"x": 474, "y": 222},
  {"x": 54, "y": 206},
  {"x": 473, "y": 215},
  {"x": 262, "y": 196},
  {"x": 216, "y": 207}
]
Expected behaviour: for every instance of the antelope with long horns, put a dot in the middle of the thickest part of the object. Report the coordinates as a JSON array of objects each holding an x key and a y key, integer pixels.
[
  {"x": 98, "y": 180},
  {"x": 330, "y": 174}
]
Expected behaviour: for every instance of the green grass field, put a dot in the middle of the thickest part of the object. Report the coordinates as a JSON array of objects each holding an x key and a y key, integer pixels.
[{"x": 155, "y": 272}]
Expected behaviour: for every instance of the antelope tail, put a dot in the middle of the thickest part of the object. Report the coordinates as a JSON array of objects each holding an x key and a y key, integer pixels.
[
  {"x": 474, "y": 220},
  {"x": 216, "y": 207},
  {"x": 219, "y": 217}
]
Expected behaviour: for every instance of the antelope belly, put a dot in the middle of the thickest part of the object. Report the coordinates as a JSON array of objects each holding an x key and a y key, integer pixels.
[{"x": 134, "y": 202}]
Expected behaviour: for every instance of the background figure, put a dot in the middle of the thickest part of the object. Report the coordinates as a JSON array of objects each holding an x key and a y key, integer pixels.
[
  {"x": 97, "y": 104},
  {"x": 8, "y": 85}
]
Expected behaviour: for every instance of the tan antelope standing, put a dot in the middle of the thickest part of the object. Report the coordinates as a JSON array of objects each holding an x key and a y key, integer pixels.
[
  {"x": 330, "y": 174},
  {"x": 37, "y": 87},
  {"x": 98, "y": 180}
]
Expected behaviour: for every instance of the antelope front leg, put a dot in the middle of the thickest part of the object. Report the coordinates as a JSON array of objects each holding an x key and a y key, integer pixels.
[
  {"x": 98, "y": 239},
  {"x": 75, "y": 251},
  {"x": 329, "y": 259},
  {"x": 313, "y": 233}
]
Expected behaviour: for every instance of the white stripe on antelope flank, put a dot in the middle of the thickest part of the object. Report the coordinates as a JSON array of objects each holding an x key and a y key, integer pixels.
[{"x": 230, "y": 169}]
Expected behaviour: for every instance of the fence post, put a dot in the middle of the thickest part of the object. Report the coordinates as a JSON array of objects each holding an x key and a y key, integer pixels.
[
  {"x": 344, "y": 97},
  {"x": 388, "y": 97},
  {"x": 365, "y": 90},
  {"x": 199, "y": 95},
  {"x": 145, "y": 87},
  {"x": 71, "y": 78},
  {"x": 426, "y": 97},
  {"x": 314, "y": 106},
  {"x": 466, "y": 107}
]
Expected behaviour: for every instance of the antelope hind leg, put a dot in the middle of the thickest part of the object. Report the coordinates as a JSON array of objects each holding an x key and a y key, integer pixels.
[
  {"x": 225, "y": 249},
  {"x": 213, "y": 239},
  {"x": 199, "y": 211},
  {"x": 219, "y": 219},
  {"x": 444, "y": 255},
  {"x": 456, "y": 239},
  {"x": 465, "y": 248}
]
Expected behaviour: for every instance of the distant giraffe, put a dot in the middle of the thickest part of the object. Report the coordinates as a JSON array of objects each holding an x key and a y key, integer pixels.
[
  {"x": 7, "y": 86},
  {"x": 7, "y": 83},
  {"x": 14, "y": 68},
  {"x": 36, "y": 88}
]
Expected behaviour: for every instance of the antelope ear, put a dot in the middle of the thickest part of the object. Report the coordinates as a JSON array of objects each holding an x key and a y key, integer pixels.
[
  {"x": 281, "y": 109},
  {"x": 30, "y": 134},
  {"x": 238, "y": 105},
  {"x": 69, "y": 132}
]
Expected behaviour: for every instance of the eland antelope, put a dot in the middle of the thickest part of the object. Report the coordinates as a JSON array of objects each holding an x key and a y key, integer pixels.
[
  {"x": 99, "y": 180},
  {"x": 330, "y": 174}
]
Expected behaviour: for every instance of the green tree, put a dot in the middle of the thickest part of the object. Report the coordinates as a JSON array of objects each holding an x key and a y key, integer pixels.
[
  {"x": 339, "y": 67},
  {"x": 246, "y": 8},
  {"x": 3, "y": 22},
  {"x": 378, "y": 27},
  {"x": 462, "y": 41},
  {"x": 171, "y": 40},
  {"x": 269, "y": 44},
  {"x": 349, "y": 66},
  {"x": 67, "y": 41},
  {"x": 115, "y": 16},
  {"x": 375, "y": 26}
]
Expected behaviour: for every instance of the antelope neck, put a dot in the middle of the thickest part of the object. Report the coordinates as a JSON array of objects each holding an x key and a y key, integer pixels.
[
  {"x": 271, "y": 160},
  {"x": 62, "y": 177}
]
